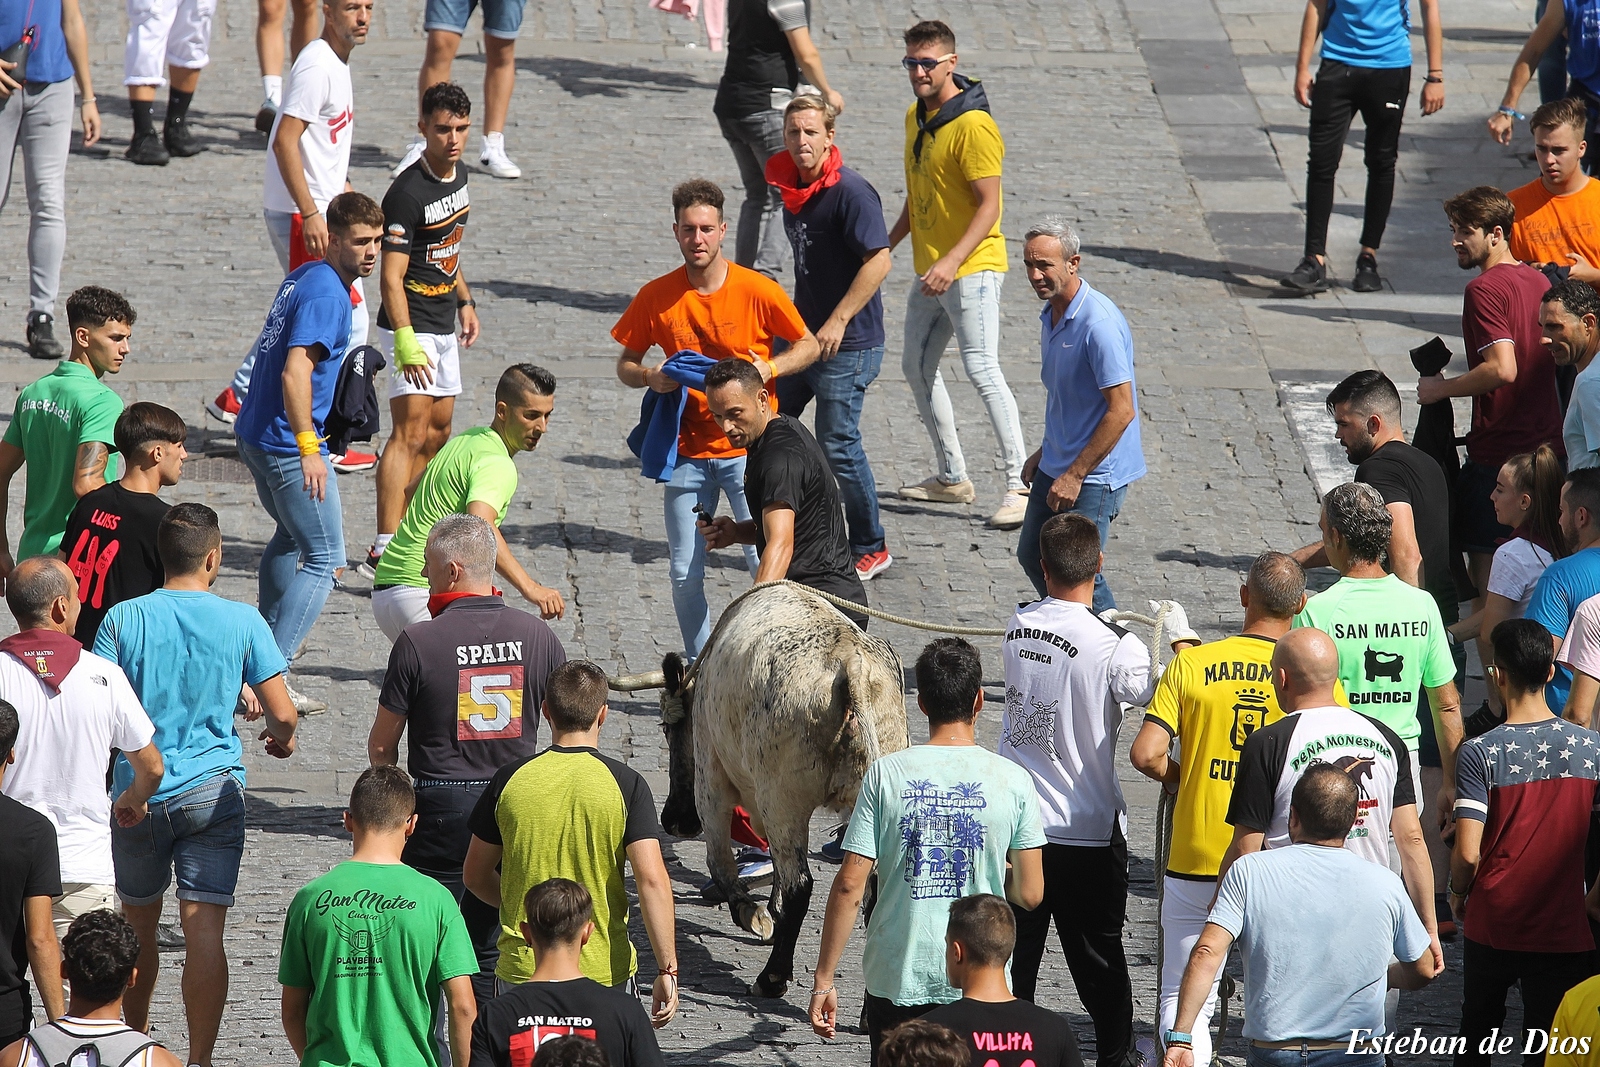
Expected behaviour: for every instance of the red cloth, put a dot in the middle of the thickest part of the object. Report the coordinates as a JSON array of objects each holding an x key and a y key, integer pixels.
[
  {"x": 744, "y": 833},
  {"x": 783, "y": 173},
  {"x": 1502, "y": 304},
  {"x": 439, "y": 601},
  {"x": 299, "y": 257},
  {"x": 50, "y": 653}
]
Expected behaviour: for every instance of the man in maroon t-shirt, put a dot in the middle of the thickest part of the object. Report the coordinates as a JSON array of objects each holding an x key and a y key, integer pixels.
[{"x": 1510, "y": 377}]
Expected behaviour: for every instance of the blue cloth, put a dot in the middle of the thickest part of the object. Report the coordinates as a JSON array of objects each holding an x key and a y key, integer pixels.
[
  {"x": 186, "y": 654},
  {"x": 1583, "y": 43},
  {"x": 655, "y": 439},
  {"x": 1316, "y": 928},
  {"x": 1090, "y": 349},
  {"x": 48, "y": 61},
  {"x": 1564, "y": 585},
  {"x": 312, "y": 311},
  {"x": 1370, "y": 33},
  {"x": 835, "y": 230}
]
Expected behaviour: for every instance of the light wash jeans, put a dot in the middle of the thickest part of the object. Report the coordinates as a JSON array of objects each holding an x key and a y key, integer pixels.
[
  {"x": 39, "y": 120},
  {"x": 298, "y": 563},
  {"x": 699, "y": 481},
  {"x": 969, "y": 311},
  {"x": 759, "y": 243},
  {"x": 1099, "y": 503},
  {"x": 840, "y": 388}
]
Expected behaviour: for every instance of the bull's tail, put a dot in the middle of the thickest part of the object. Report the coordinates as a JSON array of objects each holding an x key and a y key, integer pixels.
[{"x": 866, "y": 731}]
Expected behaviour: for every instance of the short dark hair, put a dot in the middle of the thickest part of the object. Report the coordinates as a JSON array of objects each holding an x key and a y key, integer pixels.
[
  {"x": 1357, "y": 512},
  {"x": 144, "y": 423},
  {"x": 353, "y": 209},
  {"x": 98, "y": 954},
  {"x": 1483, "y": 207},
  {"x": 730, "y": 371},
  {"x": 1277, "y": 582},
  {"x": 186, "y": 533},
  {"x": 919, "y": 1043},
  {"x": 1325, "y": 798},
  {"x": 985, "y": 927},
  {"x": 446, "y": 96},
  {"x": 696, "y": 192},
  {"x": 1069, "y": 547},
  {"x": 1523, "y": 654},
  {"x": 1565, "y": 111},
  {"x": 382, "y": 798},
  {"x": 94, "y": 306},
  {"x": 522, "y": 379},
  {"x": 1583, "y": 491},
  {"x": 575, "y": 693},
  {"x": 571, "y": 1050},
  {"x": 1367, "y": 392},
  {"x": 949, "y": 675},
  {"x": 931, "y": 31},
  {"x": 10, "y": 727},
  {"x": 30, "y": 593},
  {"x": 557, "y": 910},
  {"x": 1577, "y": 298}
]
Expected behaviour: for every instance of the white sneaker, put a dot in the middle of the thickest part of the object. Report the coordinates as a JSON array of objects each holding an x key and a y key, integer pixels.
[
  {"x": 1013, "y": 508},
  {"x": 303, "y": 704},
  {"x": 413, "y": 153},
  {"x": 493, "y": 158}
]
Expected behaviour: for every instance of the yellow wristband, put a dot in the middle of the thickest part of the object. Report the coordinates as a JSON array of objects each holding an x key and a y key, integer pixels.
[{"x": 308, "y": 443}]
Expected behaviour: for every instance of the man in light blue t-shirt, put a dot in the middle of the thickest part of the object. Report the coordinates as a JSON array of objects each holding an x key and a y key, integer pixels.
[
  {"x": 187, "y": 653},
  {"x": 1571, "y": 580},
  {"x": 941, "y": 821},
  {"x": 1317, "y": 926}
]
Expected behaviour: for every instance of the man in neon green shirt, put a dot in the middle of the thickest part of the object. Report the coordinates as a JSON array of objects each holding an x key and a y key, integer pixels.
[
  {"x": 62, "y": 424},
  {"x": 1389, "y": 634},
  {"x": 473, "y": 474}
]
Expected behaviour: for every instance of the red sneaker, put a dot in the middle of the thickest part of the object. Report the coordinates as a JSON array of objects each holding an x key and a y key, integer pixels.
[
  {"x": 353, "y": 461},
  {"x": 873, "y": 564},
  {"x": 225, "y": 408}
]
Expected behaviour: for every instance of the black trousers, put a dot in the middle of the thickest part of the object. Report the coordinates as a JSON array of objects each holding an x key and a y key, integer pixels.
[
  {"x": 1086, "y": 893},
  {"x": 1487, "y": 973},
  {"x": 1338, "y": 94},
  {"x": 437, "y": 849},
  {"x": 884, "y": 1015}
]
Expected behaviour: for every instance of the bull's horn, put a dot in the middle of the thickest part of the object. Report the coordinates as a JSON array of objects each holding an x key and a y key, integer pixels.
[{"x": 632, "y": 683}]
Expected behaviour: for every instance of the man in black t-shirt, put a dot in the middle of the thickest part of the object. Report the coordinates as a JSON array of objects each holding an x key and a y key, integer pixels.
[
  {"x": 424, "y": 292},
  {"x": 799, "y": 528},
  {"x": 30, "y": 876},
  {"x": 999, "y": 1028},
  {"x": 558, "y": 1000},
  {"x": 469, "y": 683},
  {"x": 110, "y": 539}
]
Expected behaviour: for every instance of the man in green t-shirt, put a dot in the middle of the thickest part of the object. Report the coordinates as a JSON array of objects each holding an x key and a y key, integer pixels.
[
  {"x": 62, "y": 426},
  {"x": 369, "y": 946},
  {"x": 473, "y": 474},
  {"x": 1391, "y": 640}
]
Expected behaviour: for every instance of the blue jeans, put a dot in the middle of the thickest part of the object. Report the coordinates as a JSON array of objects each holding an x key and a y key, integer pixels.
[
  {"x": 1293, "y": 1057},
  {"x": 1098, "y": 502},
  {"x": 199, "y": 831},
  {"x": 699, "y": 481},
  {"x": 298, "y": 563},
  {"x": 840, "y": 388},
  {"x": 969, "y": 311}
]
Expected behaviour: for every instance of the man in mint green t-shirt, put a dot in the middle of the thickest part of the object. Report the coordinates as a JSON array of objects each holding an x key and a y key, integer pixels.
[
  {"x": 1389, "y": 634},
  {"x": 369, "y": 947},
  {"x": 473, "y": 474},
  {"x": 62, "y": 426}
]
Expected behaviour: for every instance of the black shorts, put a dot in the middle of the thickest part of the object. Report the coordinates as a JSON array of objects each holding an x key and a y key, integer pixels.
[{"x": 1476, "y": 527}]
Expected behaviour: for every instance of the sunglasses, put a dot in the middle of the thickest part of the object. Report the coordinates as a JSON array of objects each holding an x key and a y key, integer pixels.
[{"x": 927, "y": 65}]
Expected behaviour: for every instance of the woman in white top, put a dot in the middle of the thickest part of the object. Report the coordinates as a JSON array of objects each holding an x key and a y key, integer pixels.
[{"x": 1527, "y": 498}]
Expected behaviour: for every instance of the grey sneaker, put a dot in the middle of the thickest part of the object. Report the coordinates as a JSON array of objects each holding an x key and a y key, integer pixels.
[
  {"x": 303, "y": 704},
  {"x": 932, "y": 489}
]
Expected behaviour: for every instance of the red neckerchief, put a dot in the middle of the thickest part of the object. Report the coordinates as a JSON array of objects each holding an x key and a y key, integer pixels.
[
  {"x": 51, "y": 653},
  {"x": 439, "y": 601},
  {"x": 783, "y": 173}
]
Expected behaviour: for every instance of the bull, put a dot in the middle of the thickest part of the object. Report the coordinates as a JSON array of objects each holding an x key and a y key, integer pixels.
[{"x": 783, "y": 712}]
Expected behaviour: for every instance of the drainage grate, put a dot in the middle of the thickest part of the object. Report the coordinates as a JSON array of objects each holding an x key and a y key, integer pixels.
[{"x": 224, "y": 469}]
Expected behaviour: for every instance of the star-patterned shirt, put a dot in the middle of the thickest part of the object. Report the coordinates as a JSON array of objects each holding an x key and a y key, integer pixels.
[{"x": 1533, "y": 786}]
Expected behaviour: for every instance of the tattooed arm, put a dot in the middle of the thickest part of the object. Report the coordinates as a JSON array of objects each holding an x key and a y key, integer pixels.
[{"x": 89, "y": 472}]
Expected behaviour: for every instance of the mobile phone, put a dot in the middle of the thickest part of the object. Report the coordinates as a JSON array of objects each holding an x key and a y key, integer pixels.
[{"x": 705, "y": 516}]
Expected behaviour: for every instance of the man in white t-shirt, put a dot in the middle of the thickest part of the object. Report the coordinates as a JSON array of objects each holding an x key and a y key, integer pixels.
[
  {"x": 73, "y": 708},
  {"x": 1068, "y": 673}
]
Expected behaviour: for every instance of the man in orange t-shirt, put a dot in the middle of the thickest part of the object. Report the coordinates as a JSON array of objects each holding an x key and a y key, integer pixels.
[
  {"x": 1558, "y": 213},
  {"x": 723, "y": 311}
]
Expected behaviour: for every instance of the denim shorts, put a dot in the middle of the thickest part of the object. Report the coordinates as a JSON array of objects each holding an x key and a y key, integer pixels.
[
  {"x": 501, "y": 18},
  {"x": 1476, "y": 525},
  {"x": 199, "y": 832}
]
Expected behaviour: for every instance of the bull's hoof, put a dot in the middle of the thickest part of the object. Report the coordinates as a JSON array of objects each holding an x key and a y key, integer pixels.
[
  {"x": 769, "y": 985},
  {"x": 756, "y": 919}
]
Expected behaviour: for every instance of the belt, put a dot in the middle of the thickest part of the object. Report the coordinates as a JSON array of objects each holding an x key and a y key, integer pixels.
[
  {"x": 381, "y": 588},
  {"x": 435, "y": 783},
  {"x": 1304, "y": 1044}
]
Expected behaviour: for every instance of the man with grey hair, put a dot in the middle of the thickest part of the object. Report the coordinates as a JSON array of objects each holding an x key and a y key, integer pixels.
[
  {"x": 469, "y": 681},
  {"x": 1091, "y": 450}
]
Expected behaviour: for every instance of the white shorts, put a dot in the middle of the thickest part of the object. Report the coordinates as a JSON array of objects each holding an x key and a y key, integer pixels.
[
  {"x": 163, "y": 33},
  {"x": 1185, "y": 907},
  {"x": 442, "y": 348},
  {"x": 397, "y": 607}
]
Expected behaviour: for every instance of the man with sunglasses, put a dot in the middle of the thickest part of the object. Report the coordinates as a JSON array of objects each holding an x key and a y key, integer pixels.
[{"x": 952, "y": 215}]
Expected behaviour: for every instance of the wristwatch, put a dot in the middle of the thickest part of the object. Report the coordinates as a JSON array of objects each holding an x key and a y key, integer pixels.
[
  {"x": 1177, "y": 1037},
  {"x": 468, "y": 303}
]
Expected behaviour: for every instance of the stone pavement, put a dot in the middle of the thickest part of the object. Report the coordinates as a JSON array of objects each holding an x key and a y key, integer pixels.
[{"x": 1159, "y": 128}]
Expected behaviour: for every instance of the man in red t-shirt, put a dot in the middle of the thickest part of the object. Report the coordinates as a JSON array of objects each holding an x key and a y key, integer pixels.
[{"x": 1511, "y": 376}]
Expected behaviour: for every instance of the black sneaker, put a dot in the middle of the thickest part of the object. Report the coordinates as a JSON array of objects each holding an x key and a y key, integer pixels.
[
  {"x": 1309, "y": 277},
  {"x": 179, "y": 139},
  {"x": 266, "y": 115},
  {"x": 1366, "y": 279},
  {"x": 42, "y": 343},
  {"x": 147, "y": 151},
  {"x": 1481, "y": 721}
]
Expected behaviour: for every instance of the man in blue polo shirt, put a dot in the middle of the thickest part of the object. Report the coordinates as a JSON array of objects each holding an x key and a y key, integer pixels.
[
  {"x": 280, "y": 426},
  {"x": 834, "y": 220},
  {"x": 1091, "y": 450}
]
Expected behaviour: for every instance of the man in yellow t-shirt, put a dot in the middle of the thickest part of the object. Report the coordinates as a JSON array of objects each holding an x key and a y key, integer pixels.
[
  {"x": 1575, "y": 1031},
  {"x": 1209, "y": 700},
  {"x": 952, "y": 215},
  {"x": 1558, "y": 213}
]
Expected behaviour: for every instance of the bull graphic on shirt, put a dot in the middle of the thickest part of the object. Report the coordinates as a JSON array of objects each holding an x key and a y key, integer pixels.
[
  {"x": 1358, "y": 769},
  {"x": 1388, "y": 665},
  {"x": 1249, "y": 713}
]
